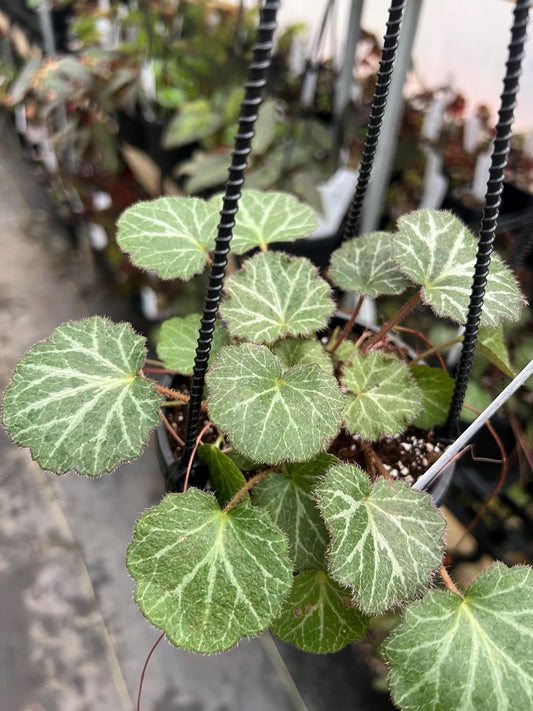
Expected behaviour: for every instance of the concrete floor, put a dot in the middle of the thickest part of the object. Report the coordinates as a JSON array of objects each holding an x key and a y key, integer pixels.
[{"x": 72, "y": 637}]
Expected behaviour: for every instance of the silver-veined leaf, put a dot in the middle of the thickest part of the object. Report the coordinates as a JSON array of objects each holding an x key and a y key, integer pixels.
[
  {"x": 466, "y": 653},
  {"x": 76, "y": 400},
  {"x": 287, "y": 497},
  {"x": 383, "y": 397},
  {"x": 386, "y": 537},
  {"x": 271, "y": 414},
  {"x": 171, "y": 235},
  {"x": 178, "y": 339},
  {"x": 276, "y": 296},
  {"x": 302, "y": 351},
  {"x": 205, "y": 577},
  {"x": 268, "y": 217},
  {"x": 366, "y": 265},
  {"x": 319, "y": 616}
]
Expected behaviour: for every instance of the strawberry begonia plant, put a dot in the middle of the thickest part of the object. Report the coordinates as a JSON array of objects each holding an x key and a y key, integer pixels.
[{"x": 299, "y": 540}]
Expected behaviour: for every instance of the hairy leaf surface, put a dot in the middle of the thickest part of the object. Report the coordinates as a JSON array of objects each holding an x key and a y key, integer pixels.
[
  {"x": 386, "y": 538},
  {"x": 366, "y": 265},
  {"x": 268, "y": 217},
  {"x": 76, "y": 400},
  {"x": 435, "y": 250},
  {"x": 208, "y": 578},
  {"x": 177, "y": 342},
  {"x": 467, "y": 653},
  {"x": 300, "y": 351},
  {"x": 271, "y": 414},
  {"x": 490, "y": 343},
  {"x": 383, "y": 398},
  {"x": 170, "y": 235},
  {"x": 287, "y": 497},
  {"x": 319, "y": 616},
  {"x": 276, "y": 296}
]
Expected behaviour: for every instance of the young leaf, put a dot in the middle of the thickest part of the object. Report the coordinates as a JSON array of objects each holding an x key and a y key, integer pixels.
[
  {"x": 170, "y": 235},
  {"x": 366, "y": 265},
  {"x": 287, "y": 498},
  {"x": 268, "y": 217},
  {"x": 467, "y": 653},
  {"x": 436, "y": 387},
  {"x": 318, "y": 616},
  {"x": 76, "y": 400},
  {"x": 386, "y": 538},
  {"x": 177, "y": 342},
  {"x": 193, "y": 122},
  {"x": 205, "y": 170},
  {"x": 490, "y": 343},
  {"x": 208, "y": 578},
  {"x": 225, "y": 476},
  {"x": 270, "y": 414},
  {"x": 276, "y": 296},
  {"x": 435, "y": 250},
  {"x": 300, "y": 351},
  {"x": 382, "y": 397}
]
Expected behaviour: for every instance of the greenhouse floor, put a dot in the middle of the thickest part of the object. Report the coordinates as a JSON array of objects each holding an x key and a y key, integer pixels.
[{"x": 73, "y": 639}]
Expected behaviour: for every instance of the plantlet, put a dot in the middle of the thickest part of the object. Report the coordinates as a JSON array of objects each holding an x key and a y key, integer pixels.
[{"x": 292, "y": 534}]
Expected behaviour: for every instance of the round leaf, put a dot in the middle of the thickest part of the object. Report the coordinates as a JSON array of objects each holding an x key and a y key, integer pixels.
[
  {"x": 386, "y": 538},
  {"x": 300, "y": 351},
  {"x": 382, "y": 397},
  {"x": 178, "y": 339},
  {"x": 276, "y": 296},
  {"x": 268, "y": 217},
  {"x": 467, "y": 653},
  {"x": 436, "y": 387},
  {"x": 288, "y": 500},
  {"x": 271, "y": 414},
  {"x": 366, "y": 265},
  {"x": 76, "y": 401},
  {"x": 318, "y": 616},
  {"x": 435, "y": 250},
  {"x": 208, "y": 578},
  {"x": 170, "y": 235}
]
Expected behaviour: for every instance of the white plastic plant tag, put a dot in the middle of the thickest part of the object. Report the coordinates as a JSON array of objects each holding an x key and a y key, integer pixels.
[
  {"x": 147, "y": 78},
  {"x": 101, "y": 200},
  {"x": 433, "y": 121},
  {"x": 336, "y": 194},
  {"x": 97, "y": 236},
  {"x": 20, "y": 119},
  {"x": 471, "y": 134},
  {"x": 481, "y": 175},
  {"x": 308, "y": 88}
]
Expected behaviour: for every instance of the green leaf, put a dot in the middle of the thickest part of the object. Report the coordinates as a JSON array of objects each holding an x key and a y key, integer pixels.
[
  {"x": 436, "y": 387},
  {"x": 477, "y": 397},
  {"x": 170, "y": 235},
  {"x": 467, "y": 653},
  {"x": 265, "y": 218},
  {"x": 208, "y": 578},
  {"x": 265, "y": 127},
  {"x": 300, "y": 351},
  {"x": 225, "y": 477},
  {"x": 490, "y": 344},
  {"x": 366, "y": 265},
  {"x": 177, "y": 342},
  {"x": 287, "y": 498},
  {"x": 318, "y": 616},
  {"x": 386, "y": 537},
  {"x": 193, "y": 122},
  {"x": 435, "y": 250},
  {"x": 276, "y": 296},
  {"x": 206, "y": 170},
  {"x": 271, "y": 414},
  {"x": 76, "y": 400},
  {"x": 383, "y": 398}
]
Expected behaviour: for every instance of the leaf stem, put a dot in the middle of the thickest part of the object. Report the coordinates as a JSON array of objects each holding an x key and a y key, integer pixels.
[
  {"x": 421, "y": 336},
  {"x": 175, "y": 395},
  {"x": 144, "y": 671},
  {"x": 446, "y": 579},
  {"x": 389, "y": 325},
  {"x": 249, "y": 484},
  {"x": 171, "y": 432},
  {"x": 157, "y": 363},
  {"x": 191, "y": 458},
  {"x": 436, "y": 349},
  {"x": 349, "y": 325}
]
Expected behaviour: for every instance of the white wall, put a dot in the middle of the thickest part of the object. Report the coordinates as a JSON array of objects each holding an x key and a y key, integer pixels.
[{"x": 463, "y": 42}]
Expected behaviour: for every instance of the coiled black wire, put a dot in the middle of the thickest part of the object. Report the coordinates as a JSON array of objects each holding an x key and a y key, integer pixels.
[
  {"x": 257, "y": 76},
  {"x": 377, "y": 111},
  {"x": 490, "y": 211}
]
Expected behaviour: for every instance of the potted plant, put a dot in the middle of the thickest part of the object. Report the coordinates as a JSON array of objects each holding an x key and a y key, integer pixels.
[{"x": 292, "y": 534}]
